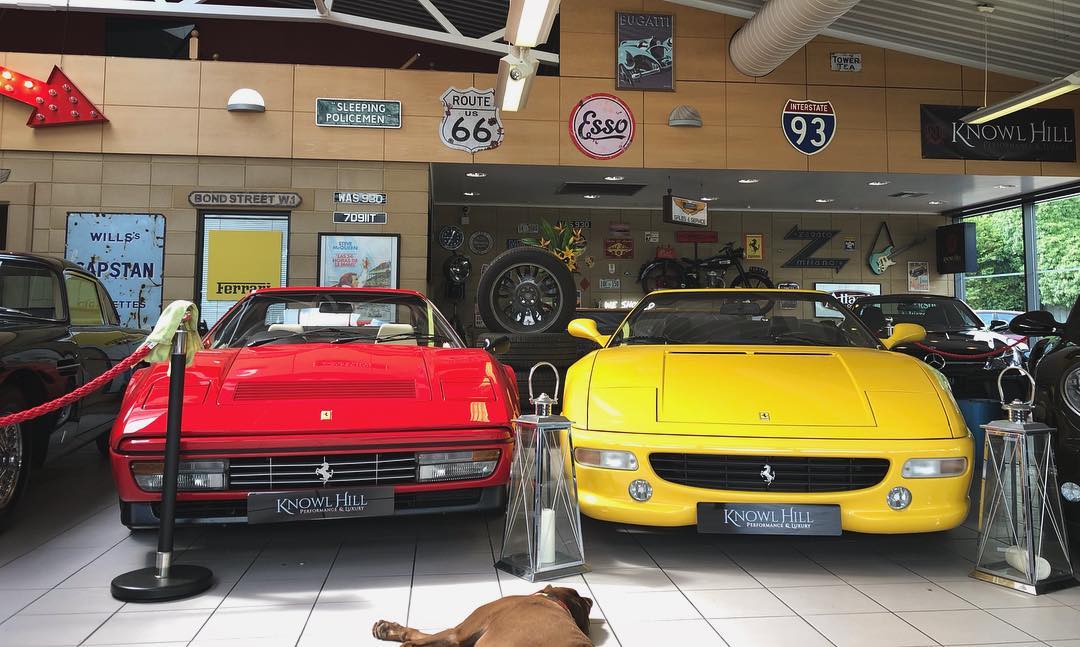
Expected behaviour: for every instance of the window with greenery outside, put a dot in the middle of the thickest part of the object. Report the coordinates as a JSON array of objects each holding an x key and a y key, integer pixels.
[
  {"x": 1057, "y": 248},
  {"x": 999, "y": 282}
]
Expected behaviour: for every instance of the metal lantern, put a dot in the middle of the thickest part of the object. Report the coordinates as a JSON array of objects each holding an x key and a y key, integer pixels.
[
  {"x": 1022, "y": 537},
  {"x": 542, "y": 539}
]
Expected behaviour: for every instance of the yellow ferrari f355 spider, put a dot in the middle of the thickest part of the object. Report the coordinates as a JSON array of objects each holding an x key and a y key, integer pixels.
[{"x": 763, "y": 411}]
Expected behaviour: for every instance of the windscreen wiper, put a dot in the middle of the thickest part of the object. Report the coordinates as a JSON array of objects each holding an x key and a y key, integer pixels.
[
  {"x": 15, "y": 311},
  {"x": 411, "y": 335},
  {"x": 267, "y": 340},
  {"x": 652, "y": 338}
]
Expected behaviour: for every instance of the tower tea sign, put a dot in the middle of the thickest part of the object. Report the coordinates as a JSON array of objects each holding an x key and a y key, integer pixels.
[
  {"x": 809, "y": 126},
  {"x": 470, "y": 120}
]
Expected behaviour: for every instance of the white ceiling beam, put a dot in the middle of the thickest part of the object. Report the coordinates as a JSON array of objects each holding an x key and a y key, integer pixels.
[
  {"x": 439, "y": 17},
  {"x": 196, "y": 9},
  {"x": 498, "y": 34},
  {"x": 324, "y": 7}
]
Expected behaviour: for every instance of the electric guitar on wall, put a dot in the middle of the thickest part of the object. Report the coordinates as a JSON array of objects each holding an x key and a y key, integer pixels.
[{"x": 883, "y": 260}]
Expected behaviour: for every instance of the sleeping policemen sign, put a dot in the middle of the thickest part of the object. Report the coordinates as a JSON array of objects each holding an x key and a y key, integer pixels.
[
  {"x": 126, "y": 251},
  {"x": 809, "y": 126},
  {"x": 470, "y": 120}
]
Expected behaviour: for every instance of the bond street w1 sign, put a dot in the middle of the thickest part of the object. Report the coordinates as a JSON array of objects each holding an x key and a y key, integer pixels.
[{"x": 358, "y": 113}]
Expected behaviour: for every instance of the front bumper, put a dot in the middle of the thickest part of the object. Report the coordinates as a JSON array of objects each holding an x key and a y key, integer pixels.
[
  {"x": 139, "y": 508},
  {"x": 937, "y": 503}
]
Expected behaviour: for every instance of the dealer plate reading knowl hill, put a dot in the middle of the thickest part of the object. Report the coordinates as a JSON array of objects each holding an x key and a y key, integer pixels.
[
  {"x": 768, "y": 519},
  {"x": 327, "y": 503}
]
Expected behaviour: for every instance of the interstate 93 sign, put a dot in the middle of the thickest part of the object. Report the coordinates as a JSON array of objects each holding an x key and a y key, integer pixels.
[{"x": 809, "y": 126}]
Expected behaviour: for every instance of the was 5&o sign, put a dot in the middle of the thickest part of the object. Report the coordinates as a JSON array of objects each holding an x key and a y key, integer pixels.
[{"x": 809, "y": 126}]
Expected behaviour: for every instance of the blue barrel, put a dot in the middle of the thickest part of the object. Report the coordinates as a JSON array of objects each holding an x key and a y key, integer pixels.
[{"x": 978, "y": 412}]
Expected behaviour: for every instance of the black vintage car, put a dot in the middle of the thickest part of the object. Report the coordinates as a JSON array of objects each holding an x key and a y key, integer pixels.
[
  {"x": 58, "y": 330},
  {"x": 1055, "y": 365},
  {"x": 957, "y": 343}
]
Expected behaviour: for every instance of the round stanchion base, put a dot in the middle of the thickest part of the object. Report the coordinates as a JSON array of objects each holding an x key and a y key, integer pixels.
[{"x": 143, "y": 585}]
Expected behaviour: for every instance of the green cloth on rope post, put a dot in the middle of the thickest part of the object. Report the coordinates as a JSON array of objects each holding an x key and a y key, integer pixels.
[{"x": 171, "y": 319}]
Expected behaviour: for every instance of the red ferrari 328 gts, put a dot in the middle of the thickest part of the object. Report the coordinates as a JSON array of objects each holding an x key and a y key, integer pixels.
[{"x": 317, "y": 403}]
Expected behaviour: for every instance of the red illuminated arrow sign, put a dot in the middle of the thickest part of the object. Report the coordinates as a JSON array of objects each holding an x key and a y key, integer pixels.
[{"x": 56, "y": 102}]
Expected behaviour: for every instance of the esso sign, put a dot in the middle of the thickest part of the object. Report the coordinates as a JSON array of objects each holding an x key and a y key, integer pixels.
[{"x": 601, "y": 126}]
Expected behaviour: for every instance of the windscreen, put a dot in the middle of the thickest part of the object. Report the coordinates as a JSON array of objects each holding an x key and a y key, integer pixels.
[
  {"x": 936, "y": 315},
  {"x": 337, "y": 317},
  {"x": 742, "y": 317}
]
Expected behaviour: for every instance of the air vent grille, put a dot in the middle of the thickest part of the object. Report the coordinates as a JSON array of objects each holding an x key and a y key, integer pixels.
[{"x": 599, "y": 188}]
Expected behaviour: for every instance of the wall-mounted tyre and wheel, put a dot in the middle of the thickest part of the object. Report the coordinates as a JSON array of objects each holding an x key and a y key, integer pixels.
[
  {"x": 527, "y": 290},
  {"x": 14, "y": 456}
]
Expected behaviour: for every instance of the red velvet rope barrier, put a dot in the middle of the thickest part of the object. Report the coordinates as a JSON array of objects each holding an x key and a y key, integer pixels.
[
  {"x": 79, "y": 393},
  {"x": 994, "y": 353}
]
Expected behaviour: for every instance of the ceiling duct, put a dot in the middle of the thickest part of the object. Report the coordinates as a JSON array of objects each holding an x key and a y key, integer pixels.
[{"x": 779, "y": 29}]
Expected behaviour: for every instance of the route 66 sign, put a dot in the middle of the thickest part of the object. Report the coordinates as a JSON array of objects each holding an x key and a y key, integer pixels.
[
  {"x": 809, "y": 125},
  {"x": 470, "y": 120}
]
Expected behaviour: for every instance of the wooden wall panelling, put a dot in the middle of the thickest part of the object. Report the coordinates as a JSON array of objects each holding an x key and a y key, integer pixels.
[
  {"x": 318, "y": 142},
  {"x": 141, "y": 129},
  {"x": 264, "y": 134},
  {"x": 313, "y": 81},
  {"x": 420, "y": 91},
  {"x": 684, "y": 147},
  {"x": 902, "y": 105},
  {"x": 219, "y": 79},
  {"x": 152, "y": 82},
  {"x": 910, "y": 71},
  {"x": 710, "y": 100},
  {"x": 16, "y": 135},
  {"x": 589, "y": 54},
  {"x": 594, "y": 16}
]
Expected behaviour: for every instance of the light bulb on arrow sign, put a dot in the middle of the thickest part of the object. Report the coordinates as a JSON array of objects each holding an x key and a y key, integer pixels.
[{"x": 55, "y": 102}]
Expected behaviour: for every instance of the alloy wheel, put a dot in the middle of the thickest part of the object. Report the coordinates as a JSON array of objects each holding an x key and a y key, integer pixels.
[
  {"x": 11, "y": 462},
  {"x": 525, "y": 297}
]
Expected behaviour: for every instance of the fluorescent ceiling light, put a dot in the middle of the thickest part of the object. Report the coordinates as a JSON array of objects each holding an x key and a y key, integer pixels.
[
  {"x": 469, "y": 194},
  {"x": 935, "y": 202},
  {"x": 516, "y": 73},
  {"x": 708, "y": 198},
  {"x": 1004, "y": 186},
  {"x": 528, "y": 22},
  {"x": 590, "y": 196},
  {"x": 877, "y": 183},
  {"x": 614, "y": 178},
  {"x": 476, "y": 174},
  {"x": 1023, "y": 100},
  {"x": 824, "y": 200},
  {"x": 749, "y": 180}
]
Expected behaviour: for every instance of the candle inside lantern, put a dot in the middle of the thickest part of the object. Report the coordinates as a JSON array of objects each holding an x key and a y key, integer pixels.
[{"x": 547, "y": 536}]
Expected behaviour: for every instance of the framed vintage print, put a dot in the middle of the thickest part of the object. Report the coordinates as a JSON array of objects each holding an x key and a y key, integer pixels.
[
  {"x": 754, "y": 247},
  {"x": 358, "y": 260},
  {"x": 645, "y": 51}
]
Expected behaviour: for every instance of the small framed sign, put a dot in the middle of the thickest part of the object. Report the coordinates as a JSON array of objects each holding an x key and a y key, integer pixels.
[
  {"x": 845, "y": 61},
  {"x": 355, "y": 218},
  {"x": 610, "y": 284},
  {"x": 358, "y": 113},
  {"x": 754, "y": 246},
  {"x": 359, "y": 197},
  {"x": 684, "y": 211},
  {"x": 358, "y": 260}
]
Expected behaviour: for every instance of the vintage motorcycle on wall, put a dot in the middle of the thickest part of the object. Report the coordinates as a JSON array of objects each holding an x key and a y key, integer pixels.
[
  {"x": 1054, "y": 362},
  {"x": 667, "y": 273}
]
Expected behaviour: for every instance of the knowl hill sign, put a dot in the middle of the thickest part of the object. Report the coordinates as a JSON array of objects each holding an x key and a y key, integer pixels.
[{"x": 1032, "y": 135}]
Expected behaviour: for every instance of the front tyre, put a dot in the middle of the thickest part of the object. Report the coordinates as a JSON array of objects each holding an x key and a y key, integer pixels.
[
  {"x": 526, "y": 290},
  {"x": 14, "y": 456}
]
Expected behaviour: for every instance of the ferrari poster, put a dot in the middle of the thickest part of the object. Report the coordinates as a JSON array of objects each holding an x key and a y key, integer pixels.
[{"x": 241, "y": 261}]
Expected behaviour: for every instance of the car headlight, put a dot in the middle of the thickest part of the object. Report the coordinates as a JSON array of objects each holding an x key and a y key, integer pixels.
[
  {"x": 456, "y": 466},
  {"x": 932, "y": 468},
  {"x": 192, "y": 475},
  {"x": 1071, "y": 389},
  {"x": 606, "y": 458}
]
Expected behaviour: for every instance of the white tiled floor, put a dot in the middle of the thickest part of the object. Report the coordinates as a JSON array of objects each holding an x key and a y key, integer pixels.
[{"x": 323, "y": 585}]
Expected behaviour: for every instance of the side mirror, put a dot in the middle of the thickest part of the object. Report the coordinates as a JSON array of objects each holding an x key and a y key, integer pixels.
[
  {"x": 496, "y": 345},
  {"x": 904, "y": 333},
  {"x": 1037, "y": 323},
  {"x": 586, "y": 329},
  {"x": 998, "y": 324}
]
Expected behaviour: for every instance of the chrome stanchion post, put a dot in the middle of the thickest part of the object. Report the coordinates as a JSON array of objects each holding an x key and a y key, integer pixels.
[{"x": 164, "y": 580}]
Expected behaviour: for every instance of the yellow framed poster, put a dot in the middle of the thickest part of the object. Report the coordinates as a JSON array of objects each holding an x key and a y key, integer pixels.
[
  {"x": 241, "y": 261},
  {"x": 754, "y": 244}
]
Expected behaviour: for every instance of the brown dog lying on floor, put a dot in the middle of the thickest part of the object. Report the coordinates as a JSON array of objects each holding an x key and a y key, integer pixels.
[{"x": 554, "y": 617}]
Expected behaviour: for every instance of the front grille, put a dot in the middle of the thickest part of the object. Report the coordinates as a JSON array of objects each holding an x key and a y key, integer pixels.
[
  {"x": 349, "y": 389},
  {"x": 286, "y": 472},
  {"x": 792, "y": 474}
]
